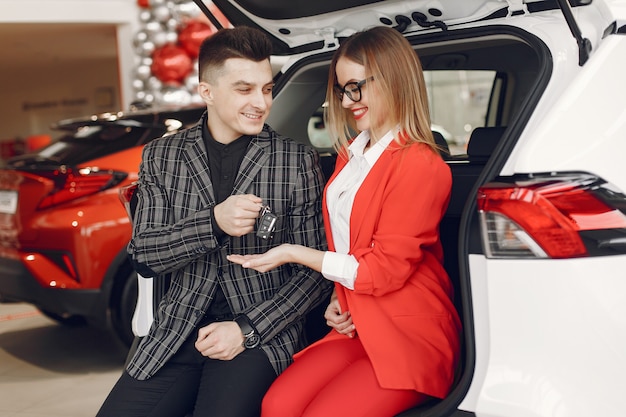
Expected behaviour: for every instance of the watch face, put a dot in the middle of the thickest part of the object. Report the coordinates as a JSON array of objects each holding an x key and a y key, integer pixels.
[{"x": 252, "y": 341}]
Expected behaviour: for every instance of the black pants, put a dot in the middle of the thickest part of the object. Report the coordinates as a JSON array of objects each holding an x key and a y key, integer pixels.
[{"x": 191, "y": 384}]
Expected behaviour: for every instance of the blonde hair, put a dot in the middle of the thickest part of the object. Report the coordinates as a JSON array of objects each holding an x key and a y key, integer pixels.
[{"x": 398, "y": 77}]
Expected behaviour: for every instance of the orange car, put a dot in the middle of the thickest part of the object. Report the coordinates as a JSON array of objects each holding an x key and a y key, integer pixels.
[{"x": 63, "y": 231}]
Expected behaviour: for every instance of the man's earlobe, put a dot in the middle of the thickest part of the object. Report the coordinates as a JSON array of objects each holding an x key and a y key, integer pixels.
[{"x": 204, "y": 90}]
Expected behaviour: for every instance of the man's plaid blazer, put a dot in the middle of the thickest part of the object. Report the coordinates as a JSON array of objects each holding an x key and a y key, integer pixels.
[{"x": 173, "y": 235}]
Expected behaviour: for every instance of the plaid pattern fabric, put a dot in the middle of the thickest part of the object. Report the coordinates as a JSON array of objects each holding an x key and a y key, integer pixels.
[{"x": 173, "y": 234}]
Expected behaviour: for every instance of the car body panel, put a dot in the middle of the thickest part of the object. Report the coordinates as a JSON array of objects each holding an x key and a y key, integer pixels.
[
  {"x": 90, "y": 230},
  {"x": 308, "y": 29},
  {"x": 548, "y": 331},
  {"x": 550, "y": 337},
  {"x": 320, "y": 23},
  {"x": 582, "y": 135},
  {"x": 69, "y": 259}
]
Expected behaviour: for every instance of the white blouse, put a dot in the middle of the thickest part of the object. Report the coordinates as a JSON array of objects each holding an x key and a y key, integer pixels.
[{"x": 340, "y": 266}]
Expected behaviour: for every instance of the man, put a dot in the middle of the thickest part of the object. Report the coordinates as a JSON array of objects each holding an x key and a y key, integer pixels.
[{"x": 222, "y": 333}]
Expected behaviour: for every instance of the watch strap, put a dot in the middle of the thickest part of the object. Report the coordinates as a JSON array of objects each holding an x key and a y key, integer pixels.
[
  {"x": 251, "y": 338},
  {"x": 245, "y": 325}
]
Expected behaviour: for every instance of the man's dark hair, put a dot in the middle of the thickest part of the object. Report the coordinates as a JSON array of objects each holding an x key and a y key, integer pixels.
[{"x": 240, "y": 42}]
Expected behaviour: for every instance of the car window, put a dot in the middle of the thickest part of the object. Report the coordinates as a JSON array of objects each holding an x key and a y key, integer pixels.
[
  {"x": 316, "y": 129},
  {"x": 459, "y": 101}
]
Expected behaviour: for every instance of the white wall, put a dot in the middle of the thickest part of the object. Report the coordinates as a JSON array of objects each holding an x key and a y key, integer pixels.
[
  {"x": 34, "y": 96},
  {"x": 83, "y": 88}
]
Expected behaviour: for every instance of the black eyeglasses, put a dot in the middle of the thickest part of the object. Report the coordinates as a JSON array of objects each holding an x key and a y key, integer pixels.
[{"x": 351, "y": 89}]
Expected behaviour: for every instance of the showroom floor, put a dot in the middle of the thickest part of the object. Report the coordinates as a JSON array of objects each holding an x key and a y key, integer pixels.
[{"x": 49, "y": 370}]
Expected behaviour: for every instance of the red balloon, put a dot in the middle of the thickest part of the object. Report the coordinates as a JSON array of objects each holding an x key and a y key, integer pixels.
[
  {"x": 192, "y": 34},
  {"x": 143, "y": 3},
  {"x": 170, "y": 63}
]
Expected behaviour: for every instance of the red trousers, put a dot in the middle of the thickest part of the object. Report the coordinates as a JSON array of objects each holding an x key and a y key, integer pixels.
[{"x": 336, "y": 379}]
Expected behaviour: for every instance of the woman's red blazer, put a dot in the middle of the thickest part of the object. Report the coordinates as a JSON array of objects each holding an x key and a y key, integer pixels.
[{"x": 401, "y": 305}]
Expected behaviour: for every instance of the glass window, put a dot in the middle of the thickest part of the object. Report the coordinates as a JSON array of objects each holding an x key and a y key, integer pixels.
[
  {"x": 458, "y": 101},
  {"x": 316, "y": 130}
]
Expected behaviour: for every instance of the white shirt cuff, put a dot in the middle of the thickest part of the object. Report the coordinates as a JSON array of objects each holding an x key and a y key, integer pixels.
[{"x": 340, "y": 268}]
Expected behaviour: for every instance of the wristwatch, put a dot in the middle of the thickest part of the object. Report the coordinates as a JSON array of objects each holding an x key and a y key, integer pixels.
[{"x": 251, "y": 338}]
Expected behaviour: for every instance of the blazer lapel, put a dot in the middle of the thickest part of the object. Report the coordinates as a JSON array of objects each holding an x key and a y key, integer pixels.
[
  {"x": 368, "y": 197},
  {"x": 197, "y": 160},
  {"x": 340, "y": 163},
  {"x": 198, "y": 163},
  {"x": 256, "y": 157}
]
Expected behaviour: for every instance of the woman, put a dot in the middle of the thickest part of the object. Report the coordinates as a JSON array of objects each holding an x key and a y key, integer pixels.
[{"x": 395, "y": 337}]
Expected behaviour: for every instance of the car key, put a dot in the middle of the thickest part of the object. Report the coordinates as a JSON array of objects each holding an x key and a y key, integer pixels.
[{"x": 267, "y": 224}]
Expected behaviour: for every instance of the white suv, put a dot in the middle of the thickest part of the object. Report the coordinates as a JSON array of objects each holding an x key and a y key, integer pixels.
[{"x": 533, "y": 95}]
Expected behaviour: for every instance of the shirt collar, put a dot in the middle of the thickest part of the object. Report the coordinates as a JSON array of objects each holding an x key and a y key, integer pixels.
[
  {"x": 239, "y": 144},
  {"x": 371, "y": 156}
]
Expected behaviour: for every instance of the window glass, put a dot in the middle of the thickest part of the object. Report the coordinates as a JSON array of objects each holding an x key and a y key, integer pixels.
[
  {"x": 316, "y": 130},
  {"x": 458, "y": 100}
]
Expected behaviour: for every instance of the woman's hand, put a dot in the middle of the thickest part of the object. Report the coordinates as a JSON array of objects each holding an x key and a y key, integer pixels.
[
  {"x": 264, "y": 262},
  {"x": 341, "y": 322},
  {"x": 279, "y": 255}
]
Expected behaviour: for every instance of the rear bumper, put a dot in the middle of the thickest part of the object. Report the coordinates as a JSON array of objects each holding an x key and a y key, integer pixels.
[{"x": 18, "y": 284}]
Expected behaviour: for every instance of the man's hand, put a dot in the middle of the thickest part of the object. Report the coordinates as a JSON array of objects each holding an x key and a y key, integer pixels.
[
  {"x": 221, "y": 340},
  {"x": 237, "y": 215},
  {"x": 341, "y": 322}
]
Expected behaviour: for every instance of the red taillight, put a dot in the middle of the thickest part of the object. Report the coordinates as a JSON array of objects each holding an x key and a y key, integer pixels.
[
  {"x": 71, "y": 184},
  {"x": 542, "y": 216},
  {"x": 126, "y": 196}
]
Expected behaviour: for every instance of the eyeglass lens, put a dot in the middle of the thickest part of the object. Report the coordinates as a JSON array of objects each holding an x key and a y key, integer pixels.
[{"x": 351, "y": 89}]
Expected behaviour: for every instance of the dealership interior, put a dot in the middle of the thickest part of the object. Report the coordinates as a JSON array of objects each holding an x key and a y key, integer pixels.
[
  {"x": 61, "y": 59},
  {"x": 52, "y": 370}
]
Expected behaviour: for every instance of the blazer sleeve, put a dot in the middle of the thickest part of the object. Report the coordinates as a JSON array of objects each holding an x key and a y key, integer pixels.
[{"x": 162, "y": 243}]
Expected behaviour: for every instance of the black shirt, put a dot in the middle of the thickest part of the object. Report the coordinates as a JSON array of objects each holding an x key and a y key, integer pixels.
[{"x": 224, "y": 162}]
